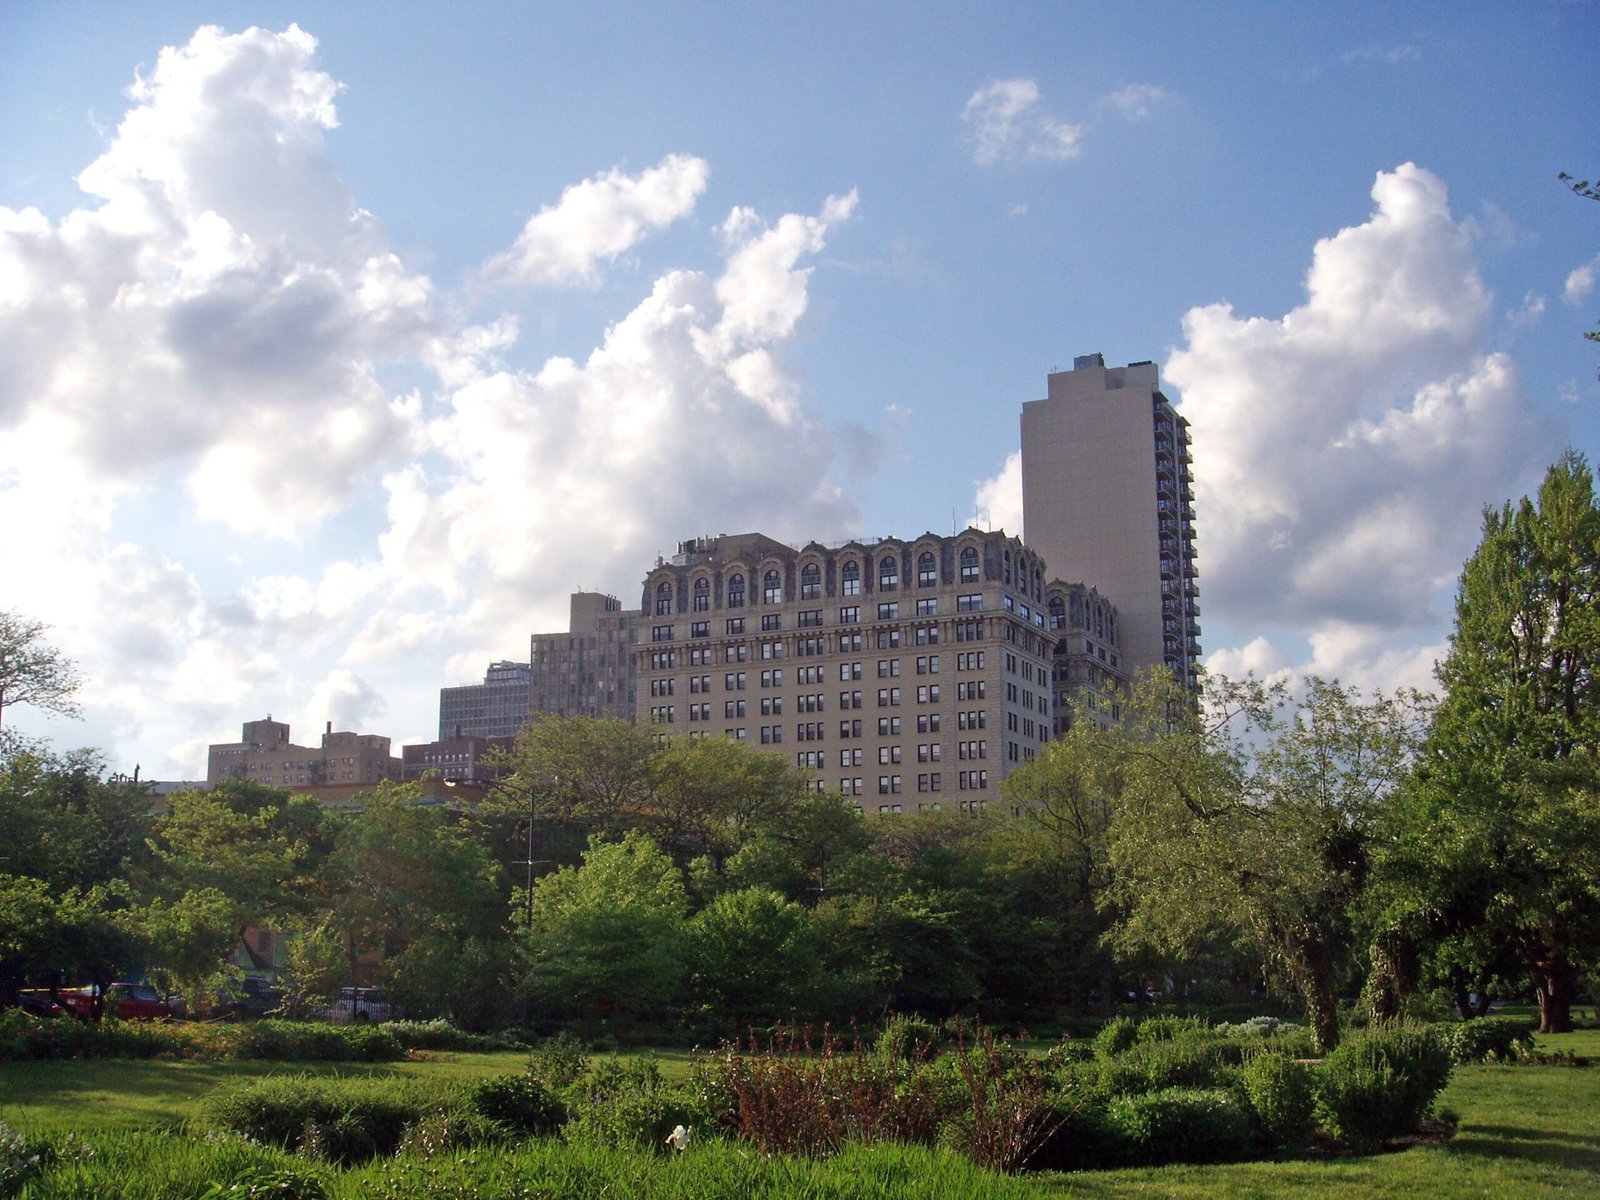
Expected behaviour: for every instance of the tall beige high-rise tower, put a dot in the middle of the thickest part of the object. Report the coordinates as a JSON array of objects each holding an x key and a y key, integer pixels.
[{"x": 1106, "y": 499}]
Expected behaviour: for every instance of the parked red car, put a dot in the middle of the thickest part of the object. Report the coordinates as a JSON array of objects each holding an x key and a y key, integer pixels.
[{"x": 132, "y": 1002}]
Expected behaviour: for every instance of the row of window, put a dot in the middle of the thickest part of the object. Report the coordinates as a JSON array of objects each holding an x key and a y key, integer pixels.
[{"x": 927, "y": 575}]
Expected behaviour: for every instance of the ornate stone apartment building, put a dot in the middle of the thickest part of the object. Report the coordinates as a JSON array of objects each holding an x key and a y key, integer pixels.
[{"x": 905, "y": 674}]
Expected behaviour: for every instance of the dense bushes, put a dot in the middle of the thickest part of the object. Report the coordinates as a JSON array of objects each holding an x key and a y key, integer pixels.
[
  {"x": 26, "y": 1037},
  {"x": 330, "y": 1119},
  {"x": 1381, "y": 1082},
  {"x": 1194, "y": 1125},
  {"x": 1282, "y": 1094},
  {"x": 1487, "y": 1039}
]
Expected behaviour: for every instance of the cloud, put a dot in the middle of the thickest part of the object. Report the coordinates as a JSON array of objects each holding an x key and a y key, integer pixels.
[
  {"x": 1007, "y": 124},
  {"x": 1344, "y": 450},
  {"x": 599, "y": 219},
  {"x": 1580, "y": 283},
  {"x": 242, "y": 515},
  {"x": 1136, "y": 99},
  {"x": 220, "y": 309},
  {"x": 998, "y": 504}
]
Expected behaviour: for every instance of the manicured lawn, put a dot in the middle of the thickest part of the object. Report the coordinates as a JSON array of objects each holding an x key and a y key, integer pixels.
[{"x": 1524, "y": 1130}]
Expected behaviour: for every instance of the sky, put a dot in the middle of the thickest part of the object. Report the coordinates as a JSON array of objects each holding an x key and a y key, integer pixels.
[{"x": 340, "y": 343}]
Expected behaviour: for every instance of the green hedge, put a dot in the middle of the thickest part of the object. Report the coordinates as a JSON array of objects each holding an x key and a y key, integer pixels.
[
  {"x": 27, "y": 1037},
  {"x": 1487, "y": 1039}
]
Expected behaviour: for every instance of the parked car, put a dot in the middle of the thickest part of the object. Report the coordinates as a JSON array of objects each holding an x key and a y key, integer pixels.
[
  {"x": 131, "y": 1001},
  {"x": 38, "y": 1003},
  {"x": 251, "y": 997},
  {"x": 359, "y": 1004}
]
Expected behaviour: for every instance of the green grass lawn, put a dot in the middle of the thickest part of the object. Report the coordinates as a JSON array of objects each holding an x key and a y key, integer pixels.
[{"x": 1524, "y": 1130}]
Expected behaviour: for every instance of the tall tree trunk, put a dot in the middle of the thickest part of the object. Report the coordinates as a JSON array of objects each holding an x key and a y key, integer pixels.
[
  {"x": 1315, "y": 978},
  {"x": 1555, "y": 983}
]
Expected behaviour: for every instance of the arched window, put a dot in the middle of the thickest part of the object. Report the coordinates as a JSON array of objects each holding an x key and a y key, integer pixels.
[
  {"x": 663, "y": 599},
  {"x": 736, "y": 591},
  {"x": 927, "y": 573},
  {"x": 1038, "y": 584},
  {"x": 702, "y": 595},
  {"x": 969, "y": 564},
  {"x": 810, "y": 582},
  {"x": 1058, "y": 613},
  {"x": 888, "y": 573},
  {"x": 1005, "y": 568},
  {"x": 771, "y": 588},
  {"x": 850, "y": 578}
]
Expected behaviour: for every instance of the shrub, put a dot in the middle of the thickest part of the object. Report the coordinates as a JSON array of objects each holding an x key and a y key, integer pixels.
[
  {"x": 1005, "y": 1117},
  {"x": 1283, "y": 1097},
  {"x": 559, "y": 1061},
  {"x": 521, "y": 1103},
  {"x": 21, "y": 1158},
  {"x": 625, "y": 1102},
  {"x": 1081, "y": 1136},
  {"x": 1166, "y": 1029},
  {"x": 1487, "y": 1039},
  {"x": 1193, "y": 1060},
  {"x": 1116, "y": 1036},
  {"x": 336, "y": 1120},
  {"x": 907, "y": 1038},
  {"x": 447, "y": 1129},
  {"x": 441, "y": 1034},
  {"x": 1181, "y": 1125},
  {"x": 1381, "y": 1082}
]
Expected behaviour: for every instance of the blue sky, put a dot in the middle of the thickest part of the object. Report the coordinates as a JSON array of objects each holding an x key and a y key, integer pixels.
[{"x": 337, "y": 353}]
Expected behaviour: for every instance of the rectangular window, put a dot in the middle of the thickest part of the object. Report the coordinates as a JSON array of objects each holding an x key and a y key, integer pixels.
[
  {"x": 771, "y": 621},
  {"x": 849, "y": 643},
  {"x": 888, "y": 667},
  {"x": 969, "y": 602},
  {"x": 927, "y": 664},
  {"x": 733, "y": 626},
  {"x": 661, "y": 633},
  {"x": 700, "y": 629},
  {"x": 733, "y": 681},
  {"x": 810, "y": 618},
  {"x": 850, "y": 614},
  {"x": 928, "y": 607},
  {"x": 888, "y": 726},
  {"x": 850, "y": 729},
  {"x": 738, "y": 652},
  {"x": 889, "y": 610},
  {"x": 888, "y": 697}
]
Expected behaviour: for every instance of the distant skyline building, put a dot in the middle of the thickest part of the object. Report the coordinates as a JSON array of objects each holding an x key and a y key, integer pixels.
[
  {"x": 264, "y": 754},
  {"x": 1107, "y": 499},
  {"x": 586, "y": 671},
  {"x": 497, "y": 707}
]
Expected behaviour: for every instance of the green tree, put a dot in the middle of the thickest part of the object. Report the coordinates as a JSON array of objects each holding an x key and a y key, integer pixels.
[
  {"x": 185, "y": 942},
  {"x": 606, "y": 940},
  {"x": 1504, "y": 827},
  {"x": 261, "y": 847},
  {"x": 32, "y": 671},
  {"x": 1252, "y": 817},
  {"x": 409, "y": 884},
  {"x": 752, "y": 958}
]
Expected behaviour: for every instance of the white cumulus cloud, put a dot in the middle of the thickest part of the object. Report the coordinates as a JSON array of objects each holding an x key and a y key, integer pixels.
[
  {"x": 599, "y": 219},
  {"x": 1343, "y": 450}
]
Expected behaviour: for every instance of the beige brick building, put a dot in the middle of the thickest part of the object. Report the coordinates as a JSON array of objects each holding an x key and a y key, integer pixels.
[
  {"x": 1106, "y": 498},
  {"x": 905, "y": 674},
  {"x": 264, "y": 754}
]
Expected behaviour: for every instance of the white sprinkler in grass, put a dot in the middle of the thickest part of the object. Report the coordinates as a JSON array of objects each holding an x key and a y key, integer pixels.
[{"x": 678, "y": 1139}]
